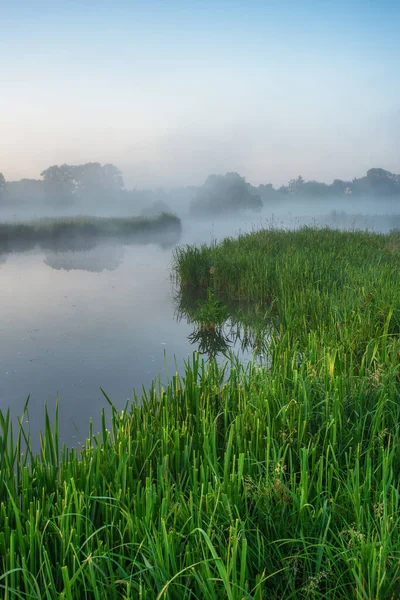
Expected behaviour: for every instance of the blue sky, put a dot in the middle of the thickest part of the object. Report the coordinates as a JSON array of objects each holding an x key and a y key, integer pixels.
[{"x": 172, "y": 91}]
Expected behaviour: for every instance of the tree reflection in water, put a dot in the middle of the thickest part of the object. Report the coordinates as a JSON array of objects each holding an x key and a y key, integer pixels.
[{"x": 95, "y": 260}]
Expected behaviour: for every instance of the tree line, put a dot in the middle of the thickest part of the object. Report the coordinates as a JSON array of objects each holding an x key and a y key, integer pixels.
[
  {"x": 69, "y": 185},
  {"x": 66, "y": 184}
]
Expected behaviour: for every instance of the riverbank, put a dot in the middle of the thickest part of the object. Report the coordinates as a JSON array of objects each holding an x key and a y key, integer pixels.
[
  {"x": 235, "y": 482},
  {"x": 82, "y": 232}
]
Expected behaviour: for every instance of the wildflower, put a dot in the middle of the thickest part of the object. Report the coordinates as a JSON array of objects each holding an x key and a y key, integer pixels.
[
  {"x": 314, "y": 582},
  {"x": 280, "y": 467},
  {"x": 353, "y": 534}
]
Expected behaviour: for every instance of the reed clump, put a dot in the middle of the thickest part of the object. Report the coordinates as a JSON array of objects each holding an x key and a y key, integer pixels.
[
  {"x": 85, "y": 231},
  {"x": 233, "y": 481},
  {"x": 342, "y": 287}
]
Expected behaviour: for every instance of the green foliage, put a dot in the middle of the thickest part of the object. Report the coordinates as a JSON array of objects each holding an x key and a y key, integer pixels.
[
  {"x": 340, "y": 287},
  {"x": 234, "y": 482}
]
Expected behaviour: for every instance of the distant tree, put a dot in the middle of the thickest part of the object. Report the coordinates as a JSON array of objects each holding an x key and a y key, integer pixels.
[
  {"x": 338, "y": 186},
  {"x": 377, "y": 182},
  {"x": 2, "y": 186},
  {"x": 59, "y": 184},
  {"x": 284, "y": 190},
  {"x": 26, "y": 191},
  {"x": 266, "y": 188},
  {"x": 267, "y": 192},
  {"x": 296, "y": 185},
  {"x": 113, "y": 177},
  {"x": 376, "y": 175},
  {"x": 383, "y": 182},
  {"x": 315, "y": 189},
  {"x": 94, "y": 181},
  {"x": 225, "y": 193}
]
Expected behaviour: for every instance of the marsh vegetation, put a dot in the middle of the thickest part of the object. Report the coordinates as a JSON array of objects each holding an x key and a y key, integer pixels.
[
  {"x": 233, "y": 481},
  {"x": 85, "y": 232}
]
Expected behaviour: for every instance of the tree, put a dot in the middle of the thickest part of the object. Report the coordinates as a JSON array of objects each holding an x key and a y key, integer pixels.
[
  {"x": 383, "y": 182},
  {"x": 377, "y": 182},
  {"x": 284, "y": 190},
  {"x": 225, "y": 193},
  {"x": 339, "y": 186},
  {"x": 59, "y": 184},
  {"x": 315, "y": 189},
  {"x": 296, "y": 185},
  {"x": 94, "y": 180},
  {"x": 268, "y": 193},
  {"x": 2, "y": 185},
  {"x": 26, "y": 191},
  {"x": 376, "y": 175}
]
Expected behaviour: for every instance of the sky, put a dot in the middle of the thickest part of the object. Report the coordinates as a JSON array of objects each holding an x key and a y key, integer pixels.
[{"x": 171, "y": 91}]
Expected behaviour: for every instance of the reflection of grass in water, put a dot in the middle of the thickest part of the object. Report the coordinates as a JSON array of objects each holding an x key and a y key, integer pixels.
[
  {"x": 218, "y": 327},
  {"x": 339, "y": 286},
  {"x": 209, "y": 333},
  {"x": 211, "y": 313},
  {"x": 210, "y": 340},
  {"x": 82, "y": 232}
]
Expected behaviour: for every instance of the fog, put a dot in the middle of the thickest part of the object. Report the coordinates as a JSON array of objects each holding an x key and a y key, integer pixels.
[
  {"x": 84, "y": 311},
  {"x": 95, "y": 189},
  {"x": 172, "y": 92}
]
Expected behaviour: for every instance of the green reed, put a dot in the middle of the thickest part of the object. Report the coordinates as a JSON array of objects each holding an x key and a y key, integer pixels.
[
  {"x": 238, "y": 482},
  {"x": 343, "y": 287},
  {"x": 75, "y": 230}
]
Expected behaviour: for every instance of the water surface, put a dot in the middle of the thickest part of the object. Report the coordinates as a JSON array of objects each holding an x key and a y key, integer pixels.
[
  {"x": 70, "y": 327},
  {"x": 75, "y": 321}
]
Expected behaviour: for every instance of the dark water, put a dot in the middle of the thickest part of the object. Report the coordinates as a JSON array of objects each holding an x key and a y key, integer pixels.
[{"x": 74, "y": 321}]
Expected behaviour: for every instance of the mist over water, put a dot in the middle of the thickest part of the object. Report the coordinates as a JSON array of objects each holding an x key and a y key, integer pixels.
[
  {"x": 74, "y": 322},
  {"x": 80, "y": 314}
]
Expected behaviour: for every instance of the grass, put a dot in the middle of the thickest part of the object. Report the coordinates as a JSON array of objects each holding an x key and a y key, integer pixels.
[
  {"x": 84, "y": 231},
  {"x": 234, "y": 482},
  {"x": 339, "y": 287}
]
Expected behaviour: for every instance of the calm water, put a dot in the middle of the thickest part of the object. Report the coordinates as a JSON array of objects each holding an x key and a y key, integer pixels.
[
  {"x": 73, "y": 331},
  {"x": 72, "y": 322}
]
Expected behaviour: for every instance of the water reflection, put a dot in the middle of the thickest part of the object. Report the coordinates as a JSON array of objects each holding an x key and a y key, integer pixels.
[
  {"x": 69, "y": 252},
  {"x": 95, "y": 260},
  {"x": 219, "y": 329},
  {"x": 82, "y": 325}
]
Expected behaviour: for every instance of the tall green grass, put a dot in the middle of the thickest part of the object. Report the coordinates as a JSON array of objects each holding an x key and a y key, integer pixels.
[
  {"x": 232, "y": 482},
  {"x": 340, "y": 287}
]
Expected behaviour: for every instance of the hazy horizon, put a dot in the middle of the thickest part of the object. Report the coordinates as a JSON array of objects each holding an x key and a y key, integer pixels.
[{"x": 172, "y": 92}]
